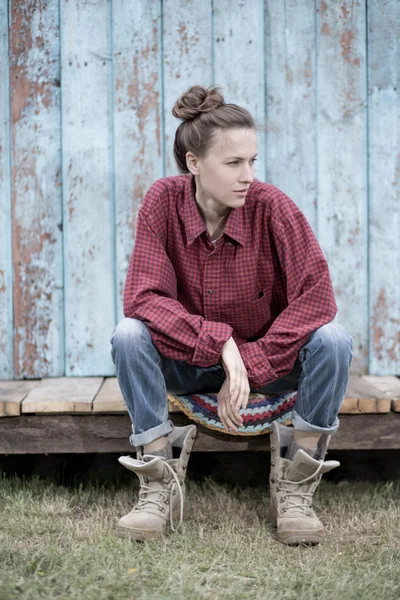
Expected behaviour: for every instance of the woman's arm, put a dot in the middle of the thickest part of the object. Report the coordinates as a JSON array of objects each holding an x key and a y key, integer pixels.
[
  {"x": 310, "y": 298},
  {"x": 150, "y": 295}
]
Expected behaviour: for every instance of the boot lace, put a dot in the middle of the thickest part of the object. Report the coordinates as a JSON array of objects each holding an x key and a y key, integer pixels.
[
  {"x": 287, "y": 486},
  {"x": 158, "y": 502}
]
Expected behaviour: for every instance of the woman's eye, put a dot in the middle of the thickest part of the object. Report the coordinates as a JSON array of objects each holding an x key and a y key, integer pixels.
[{"x": 236, "y": 161}]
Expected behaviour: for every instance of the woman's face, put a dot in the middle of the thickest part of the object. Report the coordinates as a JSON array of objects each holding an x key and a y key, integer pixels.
[{"x": 228, "y": 166}]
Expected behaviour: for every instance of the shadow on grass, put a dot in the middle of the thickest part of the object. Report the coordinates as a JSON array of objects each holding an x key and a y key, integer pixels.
[{"x": 231, "y": 468}]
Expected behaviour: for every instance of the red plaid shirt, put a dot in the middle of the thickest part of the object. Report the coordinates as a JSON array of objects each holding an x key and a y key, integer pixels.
[{"x": 265, "y": 282}]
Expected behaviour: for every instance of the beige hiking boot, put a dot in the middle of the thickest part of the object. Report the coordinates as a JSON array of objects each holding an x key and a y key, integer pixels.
[
  {"x": 162, "y": 489},
  {"x": 292, "y": 485}
]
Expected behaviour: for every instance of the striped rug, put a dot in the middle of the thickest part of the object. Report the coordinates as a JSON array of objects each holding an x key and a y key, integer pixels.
[{"x": 257, "y": 417}]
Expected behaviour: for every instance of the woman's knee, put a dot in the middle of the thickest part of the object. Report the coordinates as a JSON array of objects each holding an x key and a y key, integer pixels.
[
  {"x": 129, "y": 331},
  {"x": 332, "y": 338}
]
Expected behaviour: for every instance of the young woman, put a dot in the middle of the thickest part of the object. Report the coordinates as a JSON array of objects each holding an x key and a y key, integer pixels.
[{"x": 227, "y": 291}]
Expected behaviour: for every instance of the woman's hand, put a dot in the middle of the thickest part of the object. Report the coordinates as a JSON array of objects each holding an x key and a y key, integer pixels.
[
  {"x": 228, "y": 414},
  {"x": 235, "y": 390}
]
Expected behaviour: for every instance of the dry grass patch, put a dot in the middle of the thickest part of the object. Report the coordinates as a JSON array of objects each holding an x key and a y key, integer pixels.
[{"x": 59, "y": 542}]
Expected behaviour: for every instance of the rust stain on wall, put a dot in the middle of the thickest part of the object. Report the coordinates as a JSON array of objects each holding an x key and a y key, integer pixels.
[
  {"x": 75, "y": 182},
  {"x": 347, "y": 44},
  {"x": 289, "y": 76},
  {"x": 183, "y": 38},
  {"x": 345, "y": 11},
  {"x": 354, "y": 233},
  {"x": 323, "y": 7},
  {"x": 32, "y": 283},
  {"x": 24, "y": 90},
  {"x": 325, "y": 29},
  {"x": 142, "y": 95},
  {"x": 308, "y": 75},
  {"x": 2, "y": 281},
  {"x": 382, "y": 319}
]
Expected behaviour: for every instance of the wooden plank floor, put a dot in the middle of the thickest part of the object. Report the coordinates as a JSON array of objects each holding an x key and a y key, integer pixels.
[
  {"x": 51, "y": 416},
  {"x": 365, "y": 394}
]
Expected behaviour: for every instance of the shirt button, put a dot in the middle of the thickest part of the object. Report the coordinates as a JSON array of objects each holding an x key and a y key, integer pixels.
[
  {"x": 210, "y": 291},
  {"x": 230, "y": 244}
]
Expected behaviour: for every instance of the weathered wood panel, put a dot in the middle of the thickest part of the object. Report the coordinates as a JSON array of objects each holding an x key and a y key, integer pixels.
[
  {"x": 6, "y": 292},
  {"x": 62, "y": 395},
  {"x": 31, "y": 434},
  {"x": 138, "y": 134},
  {"x": 290, "y": 64},
  {"x": 187, "y": 60},
  {"x": 300, "y": 66},
  {"x": 36, "y": 196},
  {"x": 384, "y": 180},
  {"x": 238, "y": 51},
  {"x": 342, "y": 177},
  {"x": 86, "y": 64},
  {"x": 12, "y": 394}
]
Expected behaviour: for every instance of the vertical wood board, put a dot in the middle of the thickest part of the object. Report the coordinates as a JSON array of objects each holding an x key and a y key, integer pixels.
[
  {"x": 187, "y": 61},
  {"x": 86, "y": 64},
  {"x": 6, "y": 291},
  {"x": 342, "y": 191},
  {"x": 238, "y": 51},
  {"x": 384, "y": 186},
  {"x": 138, "y": 135},
  {"x": 290, "y": 40},
  {"x": 36, "y": 196}
]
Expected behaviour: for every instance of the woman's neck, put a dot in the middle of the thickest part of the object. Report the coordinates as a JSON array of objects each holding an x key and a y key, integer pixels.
[{"x": 213, "y": 217}]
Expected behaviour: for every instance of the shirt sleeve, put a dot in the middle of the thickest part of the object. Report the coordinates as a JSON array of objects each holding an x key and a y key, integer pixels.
[
  {"x": 150, "y": 295},
  {"x": 310, "y": 302}
]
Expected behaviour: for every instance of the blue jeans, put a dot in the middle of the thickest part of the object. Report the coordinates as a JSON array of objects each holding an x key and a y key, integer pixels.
[{"x": 320, "y": 375}]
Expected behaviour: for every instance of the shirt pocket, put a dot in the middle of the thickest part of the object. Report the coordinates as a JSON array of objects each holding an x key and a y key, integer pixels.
[{"x": 248, "y": 318}]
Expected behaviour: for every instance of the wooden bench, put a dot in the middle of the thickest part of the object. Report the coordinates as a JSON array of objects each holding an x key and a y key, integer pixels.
[{"x": 88, "y": 414}]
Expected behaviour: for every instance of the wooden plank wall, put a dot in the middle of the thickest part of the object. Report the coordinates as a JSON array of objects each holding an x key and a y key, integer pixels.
[{"x": 86, "y": 92}]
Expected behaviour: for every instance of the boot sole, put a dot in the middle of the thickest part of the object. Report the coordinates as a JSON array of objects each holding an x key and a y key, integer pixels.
[
  {"x": 140, "y": 536},
  {"x": 303, "y": 537}
]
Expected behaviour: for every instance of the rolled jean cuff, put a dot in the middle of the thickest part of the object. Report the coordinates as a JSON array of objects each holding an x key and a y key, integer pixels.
[
  {"x": 299, "y": 423},
  {"x": 140, "y": 439}
]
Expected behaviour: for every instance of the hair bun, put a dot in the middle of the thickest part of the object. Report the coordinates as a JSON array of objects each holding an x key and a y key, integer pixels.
[{"x": 197, "y": 100}]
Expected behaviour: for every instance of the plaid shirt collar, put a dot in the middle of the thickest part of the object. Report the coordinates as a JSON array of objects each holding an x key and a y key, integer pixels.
[{"x": 194, "y": 224}]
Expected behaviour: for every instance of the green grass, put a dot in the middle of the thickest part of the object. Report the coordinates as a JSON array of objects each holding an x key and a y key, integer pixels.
[{"x": 59, "y": 542}]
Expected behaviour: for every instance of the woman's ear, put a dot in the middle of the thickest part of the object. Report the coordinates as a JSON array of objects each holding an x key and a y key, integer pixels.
[{"x": 192, "y": 163}]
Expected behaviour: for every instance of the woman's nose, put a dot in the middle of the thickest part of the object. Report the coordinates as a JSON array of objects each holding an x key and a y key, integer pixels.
[{"x": 246, "y": 174}]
